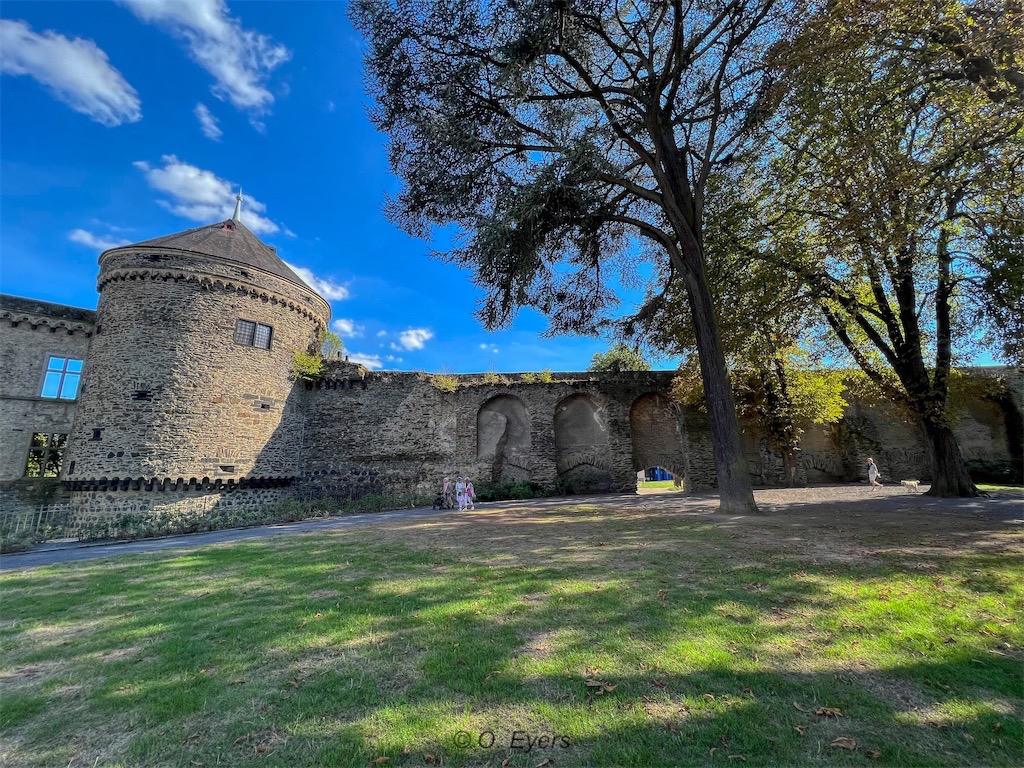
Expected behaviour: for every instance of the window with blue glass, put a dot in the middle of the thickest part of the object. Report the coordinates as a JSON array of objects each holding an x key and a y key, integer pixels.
[{"x": 62, "y": 377}]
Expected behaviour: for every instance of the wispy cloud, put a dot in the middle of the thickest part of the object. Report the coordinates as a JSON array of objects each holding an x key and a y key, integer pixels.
[
  {"x": 492, "y": 348},
  {"x": 240, "y": 60},
  {"x": 96, "y": 242},
  {"x": 413, "y": 338},
  {"x": 381, "y": 334},
  {"x": 201, "y": 195},
  {"x": 372, "y": 362},
  {"x": 75, "y": 71},
  {"x": 207, "y": 122},
  {"x": 327, "y": 288},
  {"x": 346, "y": 328}
]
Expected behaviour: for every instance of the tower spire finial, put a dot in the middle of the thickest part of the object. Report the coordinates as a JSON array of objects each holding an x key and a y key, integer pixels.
[{"x": 237, "y": 215}]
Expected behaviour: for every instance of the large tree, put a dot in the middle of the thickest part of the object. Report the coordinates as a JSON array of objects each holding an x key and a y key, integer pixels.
[
  {"x": 900, "y": 184},
  {"x": 768, "y": 323},
  {"x": 557, "y": 134}
]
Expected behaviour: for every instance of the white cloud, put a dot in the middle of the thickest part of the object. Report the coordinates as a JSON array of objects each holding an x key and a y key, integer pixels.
[
  {"x": 414, "y": 338},
  {"x": 240, "y": 60},
  {"x": 329, "y": 289},
  {"x": 393, "y": 359},
  {"x": 347, "y": 328},
  {"x": 203, "y": 196},
  {"x": 381, "y": 334},
  {"x": 370, "y": 361},
  {"x": 75, "y": 71},
  {"x": 96, "y": 242},
  {"x": 207, "y": 122}
]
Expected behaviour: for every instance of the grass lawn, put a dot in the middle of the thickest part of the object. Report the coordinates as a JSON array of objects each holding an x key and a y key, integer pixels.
[{"x": 556, "y": 633}]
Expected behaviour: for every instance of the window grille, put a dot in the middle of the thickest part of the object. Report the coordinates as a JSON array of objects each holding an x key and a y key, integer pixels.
[
  {"x": 250, "y": 334},
  {"x": 63, "y": 375},
  {"x": 45, "y": 454}
]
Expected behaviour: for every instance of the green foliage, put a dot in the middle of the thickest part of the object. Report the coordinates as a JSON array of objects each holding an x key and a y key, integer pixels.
[
  {"x": 491, "y": 491},
  {"x": 619, "y": 358},
  {"x": 529, "y": 378},
  {"x": 545, "y": 376},
  {"x": 309, "y": 365},
  {"x": 491, "y": 378},
  {"x": 306, "y": 366},
  {"x": 445, "y": 382},
  {"x": 331, "y": 345}
]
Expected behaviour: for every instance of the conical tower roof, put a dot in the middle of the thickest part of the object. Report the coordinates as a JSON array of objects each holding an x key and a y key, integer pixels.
[{"x": 229, "y": 240}]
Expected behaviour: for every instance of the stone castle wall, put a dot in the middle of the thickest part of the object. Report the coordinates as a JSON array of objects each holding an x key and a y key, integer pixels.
[
  {"x": 177, "y": 420},
  {"x": 180, "y": 398}
]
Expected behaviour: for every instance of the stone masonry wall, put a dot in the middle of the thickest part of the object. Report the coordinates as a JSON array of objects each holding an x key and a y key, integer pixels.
[{"x": 180, "y": 398}]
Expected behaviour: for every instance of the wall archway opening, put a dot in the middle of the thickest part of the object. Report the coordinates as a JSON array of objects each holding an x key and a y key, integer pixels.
[
  {"x": 503, "y": 438},
  {"x": 582, "y": 445},
  {"x": 657, "y": 441}
]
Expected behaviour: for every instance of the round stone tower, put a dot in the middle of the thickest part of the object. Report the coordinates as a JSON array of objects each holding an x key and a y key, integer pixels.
[{"x": 186, "y": 397}]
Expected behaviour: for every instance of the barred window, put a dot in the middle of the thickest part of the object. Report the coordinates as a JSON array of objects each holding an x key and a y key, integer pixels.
[
  {"x": 252, "y": 334},
  {"x": 62, "y": 377},
  {"x": 45, "y": 454}
]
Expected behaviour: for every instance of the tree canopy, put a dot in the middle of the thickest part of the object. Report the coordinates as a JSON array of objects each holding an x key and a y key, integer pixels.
[
  {"x": 567, "y": 139},
  {"x": 619, "y": 358},
  {"x": 899, "y": 182}
]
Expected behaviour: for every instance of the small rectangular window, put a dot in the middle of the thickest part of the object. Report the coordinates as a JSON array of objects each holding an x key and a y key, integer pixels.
[
  {"x": 45, "y": 454},
  {"x": 252, "y": 334},
  {"x": 63, "y": 375}
]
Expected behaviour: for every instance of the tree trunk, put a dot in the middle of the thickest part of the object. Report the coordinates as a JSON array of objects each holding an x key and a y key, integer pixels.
[
  {"x": 790, "y": 465},
  {"x": 736, "y": 493},
  {"x": 949, "y": 473}
]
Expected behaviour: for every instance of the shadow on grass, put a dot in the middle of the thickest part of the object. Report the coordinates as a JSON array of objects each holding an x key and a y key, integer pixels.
[{"x": 339, "y": 651}]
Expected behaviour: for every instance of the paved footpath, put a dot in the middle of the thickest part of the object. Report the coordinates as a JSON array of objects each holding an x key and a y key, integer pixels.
[{"x": 67, "y": 552}]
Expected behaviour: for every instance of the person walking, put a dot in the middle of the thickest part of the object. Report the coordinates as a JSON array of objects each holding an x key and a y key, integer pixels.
[
  {"x": 470, "y": 494},
  {"x": 460, "y": 492},
  {"x": 873, "y": 474},
  {"x": 448, "y": 494}
]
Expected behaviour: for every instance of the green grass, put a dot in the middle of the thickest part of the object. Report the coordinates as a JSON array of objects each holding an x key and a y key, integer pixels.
[
  {"x": 660, "y": 484},
  {"x": 645, "y": 639}
]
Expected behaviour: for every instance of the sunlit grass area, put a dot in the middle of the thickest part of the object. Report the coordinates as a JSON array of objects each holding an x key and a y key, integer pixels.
[{"x": 564, "y": 633}]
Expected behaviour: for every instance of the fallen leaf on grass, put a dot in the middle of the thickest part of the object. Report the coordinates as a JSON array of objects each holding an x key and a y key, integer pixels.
[
  {"x": 797, "y": 706},
  {"x": 829, "y": 712},
  {"x": 262, "y": 748},
  {"x": 712, "y": 751},
  {"x": 658, "y": 684},
  {"x": 601, "y": 686},
  {"x": 799, "y": 729},
  {"x": 672, "y": 728},
  {"x": 873, "y": 754},
  {"x": 845, "y": 742},
  {"x": 241, "y": 740},
  {"x": 949, "y": 641},
  {"x": 381, "y": 761},
  {"x": 662, "y": 595},
  {"x": 431, "y": 759},
  {"x": 546, "y": 762},
  {"x": 709, "y": 697},
  {"x": 505, "y": 762},
  {"x": 738, "y": 757}
]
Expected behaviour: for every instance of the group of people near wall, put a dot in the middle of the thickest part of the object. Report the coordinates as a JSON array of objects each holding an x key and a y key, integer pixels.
[{"x": 460, "y": 493}]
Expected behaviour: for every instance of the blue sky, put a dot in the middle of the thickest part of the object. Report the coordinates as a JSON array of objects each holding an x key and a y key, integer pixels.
[{"x": 123, "y": 121}]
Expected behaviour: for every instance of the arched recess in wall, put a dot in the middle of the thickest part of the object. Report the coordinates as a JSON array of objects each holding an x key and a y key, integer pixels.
[
  {"x": 657, "y": 440},
  {"x": 582, "y": 445},
  {"x": 503, "y": 438}
]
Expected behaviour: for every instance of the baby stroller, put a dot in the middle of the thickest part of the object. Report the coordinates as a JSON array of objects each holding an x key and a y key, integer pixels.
[{"x": 446, "y": 498}]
